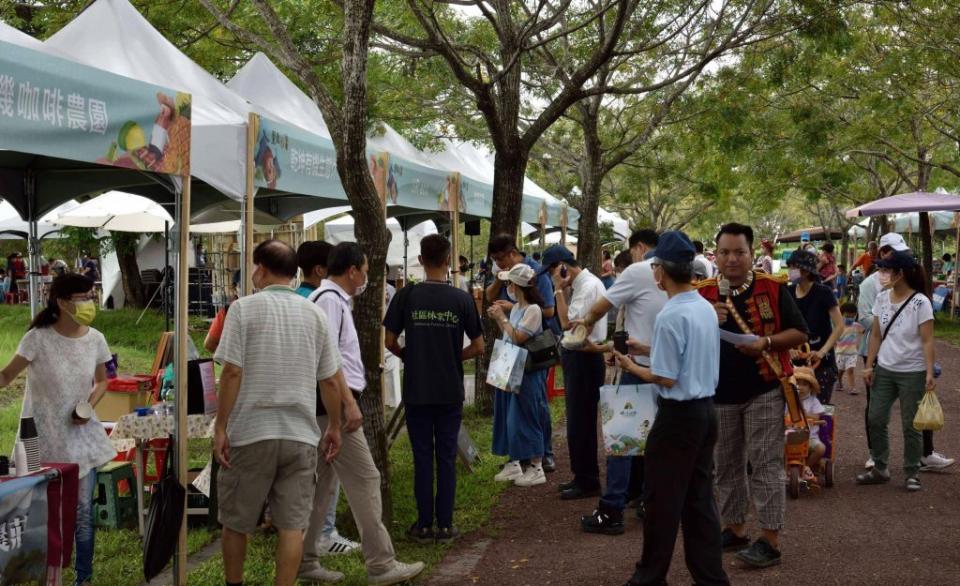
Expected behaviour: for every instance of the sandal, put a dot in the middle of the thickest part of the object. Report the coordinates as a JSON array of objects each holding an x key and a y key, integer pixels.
[{"x": 874, "y": 476}]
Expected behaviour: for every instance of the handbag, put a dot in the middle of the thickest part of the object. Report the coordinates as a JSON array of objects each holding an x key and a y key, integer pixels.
[
  {"x": 506, "y": 368},
  {"x": 164, "y": 520},
  {"x": 627, "y": 413},
  {"x": 543, "y": 351}
]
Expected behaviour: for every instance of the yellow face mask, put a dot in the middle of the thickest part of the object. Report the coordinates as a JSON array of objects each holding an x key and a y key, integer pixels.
[{"x": 84, "y": 312}]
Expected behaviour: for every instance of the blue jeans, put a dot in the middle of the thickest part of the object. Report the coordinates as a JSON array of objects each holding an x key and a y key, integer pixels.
[
  {"x": 619, "y": 468},
  {"x": 433, "y": 431},
  {"x": 330, "y": 522},
  {"x": 85, "y": 531}
]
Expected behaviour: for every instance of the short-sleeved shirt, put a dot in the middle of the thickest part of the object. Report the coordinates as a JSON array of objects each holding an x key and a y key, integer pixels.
[
  {"x": 216, "y": 326},
  {"x": 740, "y": 377},
  {"x": 830, "y": 265},
  {"x": 527, "y": 319},
  {"x": 686, "y": 347},
  {"x": 815, "y": 307},
  {"x": 902, "y": 350},
  {"x": 866, "y": 261},
  {"x": 866, "y": 298},
  {"x": 587, "y": 290},
  {"x": 283, "y": 344},
  {"x": 637, "y": 290},
  {"x": 334, "y": 302},
  {"x": 813, "y": 408},
  {"x": 434, "y": 318},
  {"x": 848, "y": 344},
  {"x": 545, "y": 287},
  {"x": 60, "y": 375},
  {"x": 305, "y": 289},
  {"x": 93, "y": 273}
]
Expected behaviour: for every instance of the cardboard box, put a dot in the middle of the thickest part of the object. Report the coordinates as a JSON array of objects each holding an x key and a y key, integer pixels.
[{"x": 124, "y": 395}]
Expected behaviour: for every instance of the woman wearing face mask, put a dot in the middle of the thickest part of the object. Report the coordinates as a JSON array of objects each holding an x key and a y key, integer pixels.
[
  {"x": 62, "y": 354},
  {"x": 819, "y": 308},
  {"x": 517, "y": 429},
  {"x": 900, "y": 363}
]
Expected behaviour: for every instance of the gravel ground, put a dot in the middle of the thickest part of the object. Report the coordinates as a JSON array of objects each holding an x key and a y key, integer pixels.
[{"x": 845, "y": 535}]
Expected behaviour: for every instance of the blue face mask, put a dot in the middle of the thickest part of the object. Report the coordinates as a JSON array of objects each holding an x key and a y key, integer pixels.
[{"x": 848, "y": 321}]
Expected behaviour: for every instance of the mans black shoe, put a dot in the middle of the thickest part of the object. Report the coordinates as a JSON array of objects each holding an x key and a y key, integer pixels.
[
  {"x": 447, "y": 534},
  {"x": 732, "y": 542},
  {"x": 760, "y": 555},
  {"x": 421, "y": 535},
  {"x": 576, "y": 492},
  {"x": 566, "y": 485},
  {"x": 603, "y": 520},
  {"x": 549, "y": 464}
]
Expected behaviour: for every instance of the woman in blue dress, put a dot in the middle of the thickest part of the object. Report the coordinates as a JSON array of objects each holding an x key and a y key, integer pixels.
[{"x": 517, "y": 429}]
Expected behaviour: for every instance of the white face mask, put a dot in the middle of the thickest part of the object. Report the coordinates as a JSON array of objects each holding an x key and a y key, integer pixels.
[
  {"x": 793, "y": 274},
  {"x": 884, "y": 280},
  {"x": 510, "y": 295},
  {"x": 362, "y": 288}
]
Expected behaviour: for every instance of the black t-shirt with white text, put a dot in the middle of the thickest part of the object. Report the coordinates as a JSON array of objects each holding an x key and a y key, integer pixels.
[{"x": 434, "y": 317}]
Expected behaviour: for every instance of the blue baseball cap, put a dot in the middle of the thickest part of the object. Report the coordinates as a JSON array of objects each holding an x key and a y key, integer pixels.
[
  {"x": 553, "y": 255},
  {"x": 675, "y": 247}
]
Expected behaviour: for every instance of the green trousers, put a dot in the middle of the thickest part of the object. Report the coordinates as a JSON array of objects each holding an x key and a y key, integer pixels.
[{"x": 888, "y": 386}]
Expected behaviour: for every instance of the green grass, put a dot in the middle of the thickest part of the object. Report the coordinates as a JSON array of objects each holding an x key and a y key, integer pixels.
[
  {"x": 477, "y": 494},
  {"x": 947, "y": 330}
]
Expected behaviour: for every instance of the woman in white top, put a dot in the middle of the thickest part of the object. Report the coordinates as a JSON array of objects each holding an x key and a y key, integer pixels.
[
  {"x": 901, "y": 342},
  {"x": 517, "y": 428},
  {"x": 65, "y": 363}
]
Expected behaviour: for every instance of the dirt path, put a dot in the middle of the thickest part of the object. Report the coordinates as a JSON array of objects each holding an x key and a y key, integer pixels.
[{"x": 845, "y": 535}]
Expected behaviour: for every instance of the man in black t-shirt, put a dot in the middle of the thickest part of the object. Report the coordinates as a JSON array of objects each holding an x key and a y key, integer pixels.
[
  {"x": 434, "y": 317},
  {"x": 749, "y": 399}
]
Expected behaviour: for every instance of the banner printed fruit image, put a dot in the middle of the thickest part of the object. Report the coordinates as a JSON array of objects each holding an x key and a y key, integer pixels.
[
  {"x": 168, "y": 149},
  {"x": 268, "y": 165}
]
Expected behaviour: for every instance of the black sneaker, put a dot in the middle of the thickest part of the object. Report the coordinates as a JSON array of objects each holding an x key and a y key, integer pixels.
[
  {"x": 732, "y": 542},
  {"x": 447, "y": 534},
  {"x": 760, "y": 555},
  {"x": 565, "y": 485},
  {"x": 603, "y": 520},
  {"x": 549, "y": 464},
  {"x": 421, "y": 535}
]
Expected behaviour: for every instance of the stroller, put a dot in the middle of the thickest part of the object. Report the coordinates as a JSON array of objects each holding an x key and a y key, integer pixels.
[{"x": 797, "y": 449}]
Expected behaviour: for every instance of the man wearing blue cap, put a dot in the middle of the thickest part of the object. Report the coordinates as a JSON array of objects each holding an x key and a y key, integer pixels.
[
  {"x": 583, "y": 368},
  {"x": 685, "y": 366}
]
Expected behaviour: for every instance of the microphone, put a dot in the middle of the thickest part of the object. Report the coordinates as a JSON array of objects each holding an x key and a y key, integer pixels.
[{"x": 724, "y": 287}]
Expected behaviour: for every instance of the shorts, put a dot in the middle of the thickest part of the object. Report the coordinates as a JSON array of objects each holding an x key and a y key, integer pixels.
[
  {"x": 846, "y": 361},
  {"x": 814, "y": 441},
  {"x": 282, "y": 473}
]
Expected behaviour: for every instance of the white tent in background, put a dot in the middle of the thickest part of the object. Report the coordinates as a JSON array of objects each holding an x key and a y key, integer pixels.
[
  {"x": 13, "y": 228},
  {"x": 341, "y": 230},
  {"x": 111, "y": 35},
  {"x": 117, "y": 211},
  {"x": 11, "y": 35},
  {"x": 909, "y": 223},
  {"x": 621, "y": 227}
]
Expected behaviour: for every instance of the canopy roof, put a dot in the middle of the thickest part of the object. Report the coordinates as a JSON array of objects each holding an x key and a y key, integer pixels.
[
  {"x": 74, "y": 130},
  {"x": 908, "y": 202},
  {"x": 813, "y": 233}
]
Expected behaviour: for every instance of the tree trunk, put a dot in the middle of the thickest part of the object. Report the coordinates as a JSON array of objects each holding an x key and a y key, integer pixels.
[
  {"x": 125, "y": 245},
  {"x": 370, "y": 230},
  {"x": 926, "y": 238},
  {"x": 591, "y": 174}
]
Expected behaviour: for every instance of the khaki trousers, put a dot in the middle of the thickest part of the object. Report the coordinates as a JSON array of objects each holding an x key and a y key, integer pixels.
[{"x": 360, "y": 481}]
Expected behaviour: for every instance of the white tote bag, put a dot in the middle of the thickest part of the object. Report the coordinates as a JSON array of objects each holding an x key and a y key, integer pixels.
[
  {"x": 627, "y": 413},
  {"x": 506, "y": 366}
]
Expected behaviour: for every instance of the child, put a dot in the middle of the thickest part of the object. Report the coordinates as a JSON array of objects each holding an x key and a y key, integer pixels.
[
  {"x": 840, "y": 282},
  {"x": 809, "y": 388},
  {"x": 848, "y": 346}
]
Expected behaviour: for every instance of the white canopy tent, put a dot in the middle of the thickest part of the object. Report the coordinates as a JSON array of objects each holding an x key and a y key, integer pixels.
[
  {"x": 112, "y": 35},
  {"x": 341, "y": 230},
  {"x": 117, "y": 211},
  {"x": 12, "y": 227}
]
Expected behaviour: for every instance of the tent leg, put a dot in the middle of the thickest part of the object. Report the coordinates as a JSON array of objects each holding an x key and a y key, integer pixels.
[
  {"x": 164, "y": 281},
  {"x": 180, "y": 324},
  {"x": 33, "y": 244},
  {"x": 406, "y": 244}
]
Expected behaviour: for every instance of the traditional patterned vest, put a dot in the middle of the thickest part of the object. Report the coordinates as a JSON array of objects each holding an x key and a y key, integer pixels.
[{"x": 762, "y": 315}]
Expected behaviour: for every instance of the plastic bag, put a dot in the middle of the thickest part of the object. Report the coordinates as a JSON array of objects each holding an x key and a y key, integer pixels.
[{"x": 929, "y": 414}]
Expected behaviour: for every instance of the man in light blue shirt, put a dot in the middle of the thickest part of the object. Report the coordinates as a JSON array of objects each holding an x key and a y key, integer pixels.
[{"x": 685, "y": 366}]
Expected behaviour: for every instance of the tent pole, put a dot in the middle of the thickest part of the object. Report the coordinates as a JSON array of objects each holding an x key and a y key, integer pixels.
[
  {"x": 165, "y": 282},
  {"x": 180, "y": 324},
  {"x": 246, "y": 215},
  {"x": 455, "y": 231},
  {"x": 953, "y": 277},
  {"x": 406, "y": 244},
  {"x": 33, "y": 244}
]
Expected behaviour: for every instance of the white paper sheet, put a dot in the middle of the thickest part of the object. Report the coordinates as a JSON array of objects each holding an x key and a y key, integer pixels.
[{"x": 737, "y": 339}]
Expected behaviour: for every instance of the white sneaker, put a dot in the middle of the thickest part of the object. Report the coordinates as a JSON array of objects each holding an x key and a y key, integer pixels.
[
  {"x": 869, "y": 464},
  {"x": 399, "y": 574},
  {"x": 935, "y": 461},
  {"x": 335, "y": 544},
  {"x": 511, "y": 471},
  {"x": 318, "y": 573},
  {"x": 532, "y": 477}
]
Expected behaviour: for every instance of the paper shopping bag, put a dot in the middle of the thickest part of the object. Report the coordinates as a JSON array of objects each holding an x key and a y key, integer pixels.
[
  {"x": 506, "y": 366},
  {"x": 627, "y": 413}
]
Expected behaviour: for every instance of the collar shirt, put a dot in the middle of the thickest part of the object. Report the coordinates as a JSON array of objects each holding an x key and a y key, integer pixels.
[
  {"x": 586, "y": 290},
  {"x": 637, "y": 291},
  {"x": 686, "y": 348},
  {"x": 334, "y": 302}
]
